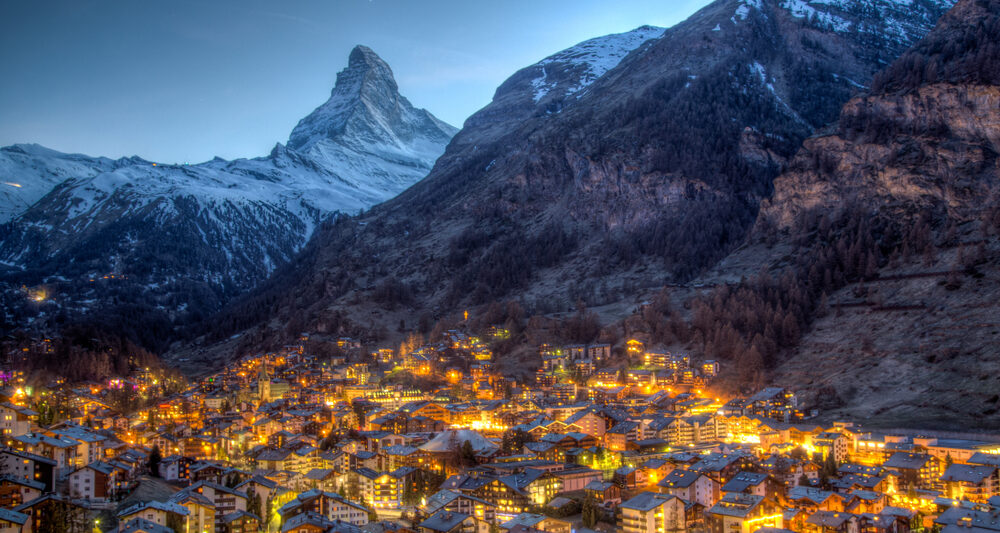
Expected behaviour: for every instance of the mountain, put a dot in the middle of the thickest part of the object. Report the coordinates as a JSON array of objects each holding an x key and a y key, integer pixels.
[
  {"x": 367, "y": 129},
  {"x": 29, "y": 171},
  {"x": 911, "y": 338},
  {"x": 172, "y": 243},
  {"x": 589, "y": 184}
]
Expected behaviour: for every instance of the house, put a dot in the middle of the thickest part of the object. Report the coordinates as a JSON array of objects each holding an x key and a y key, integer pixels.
[
  {"x": 13, "y": 521},
  {"x": 63, "y": 451},
  {"x": 832, "y": 522},
  {"x": 257, "y": 487},
  {"x": 618, "y": 437},
  {"x": 141, "y": 525},
  {"x": 743, "y": 513},
  {"x": 382, "y": 489},
  {"x": 589, "y": 422},
  {"x": 812, "y": 499},
  {"x": 159, "y": 513},
  {"x": 975, "y": 483},
  {"x": 918, "y": 469},
  {"x": 308, "y": 522},
  {"x": 576, "y": 477},
  {"x": 201, "y": 510},
  {"x": 690, "y": 486},
  {"x": 457, "y": 502},
  {"x": 630, "y": 477},
  {"x": 833, "y": 442},
  {"x": 225, "y": 499},
  {"x": 15, "y": 490},
  {"x": 28, "y": 466},
  {"x": 15, "y": 420},
  {"x": 538, "y": 522},
  {"x": 755, "y": 483},
  {"x": 96, "y": 481},
  {"x": 241, "y": 522},
  {"x": 956, "y": 519},
  {"x": 175, "y": 468},
  {"x": 599, "y": 352},
  {"x": 650, "y": 512},
  {"x": 604, "y": 492},
  {"x": 448, "y": 522},
  {"x": 328, "y": 505}
]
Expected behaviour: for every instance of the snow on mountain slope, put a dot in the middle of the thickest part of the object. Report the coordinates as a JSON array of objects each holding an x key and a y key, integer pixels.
[
  {"x": 220, "y": 224},
  {"x": 29, "y": 171},
  {"x": 545, "y": 88},
  {"x": 366, "y": 118},
  {"x": 592, "y": 58},
  {"x": 901, "y": 21}
]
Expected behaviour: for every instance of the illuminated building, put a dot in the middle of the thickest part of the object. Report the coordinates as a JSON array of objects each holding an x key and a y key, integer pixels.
[{"x": 650, "y": 512}]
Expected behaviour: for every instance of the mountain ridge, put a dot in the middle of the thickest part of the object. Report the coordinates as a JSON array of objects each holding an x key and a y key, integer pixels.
[
  {"x": 653, "y": 173},
  {"x": 214, "y": 229}
]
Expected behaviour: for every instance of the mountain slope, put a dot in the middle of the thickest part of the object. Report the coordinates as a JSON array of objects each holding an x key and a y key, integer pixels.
[
  {"x": 182, "y": 239},
  {"x": 918, "y": 156},
  {"x": 29, "y": 171},
  {"x": 650, "y": 173}
]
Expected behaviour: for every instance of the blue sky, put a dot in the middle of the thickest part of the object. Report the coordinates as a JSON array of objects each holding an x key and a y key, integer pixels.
[{"x": 186, "y": 80}]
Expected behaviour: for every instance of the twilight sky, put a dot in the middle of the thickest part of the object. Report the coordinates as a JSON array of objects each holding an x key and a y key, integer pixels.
[{"x": 186, "y": 80}]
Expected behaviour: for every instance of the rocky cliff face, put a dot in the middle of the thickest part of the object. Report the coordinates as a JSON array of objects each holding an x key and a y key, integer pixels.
[
  {"x": 649, "y": 173},
  {"x": 931, "y": 148},
  {"x": 368, "y": 129},
  {"x": 180, "y": 240},
  {"x": 925, "y": 138},
  {"x": 911, "y": 341}
]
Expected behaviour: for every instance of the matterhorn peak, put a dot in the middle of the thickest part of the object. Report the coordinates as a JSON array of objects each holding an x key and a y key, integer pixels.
[
  {"x": 366, "y": 103},
  {"x": 365, "y": 71}
]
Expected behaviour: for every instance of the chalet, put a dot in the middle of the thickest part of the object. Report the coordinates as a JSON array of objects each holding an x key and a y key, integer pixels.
[
  {"x": 757, "y": 484},
  {"x": 241, "y": 522},
  {"x": 308, "y": 522},
  {"x": 833, "y": 442},
  {"x": 918, "y": 469},
  {"x": 15, "y": 490},
  {"x": 329, "y": 505},
  {"x": 457, "y": 502},
  {"x": 226, "y": 500},
  {"x": 743, "y": 513},
  {"x": 159, "y": 513},
  {"x": 28, "y": 466},
  {"x": 97, "y": 481},
  {"x": 448, "y": 522},
  {"x": 589, "y": 422},
  {"x": 537, "y": 522},
  {"x": 690, "y": 486},
  {"x": 15, "y": 420},
  {"x": 322, "y": 478},
  {"x": 650, "y": 512},
  {"x": 723, "y": 466},
  {"x": 833, "y": 522},
  {"x": 604, "y": 492},
  {"x": 64, "y": 452},
  {"x": 812, "y": 499},
  {"x": 13, "y": 521},
  {"x": 975, "y": 483},
  {"x": 576, "y": 478},
  {"x": 201, "y": 510}
]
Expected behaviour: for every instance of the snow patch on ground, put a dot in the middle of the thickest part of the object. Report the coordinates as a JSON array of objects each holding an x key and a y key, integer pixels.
[{"x": 802, "y": 9}]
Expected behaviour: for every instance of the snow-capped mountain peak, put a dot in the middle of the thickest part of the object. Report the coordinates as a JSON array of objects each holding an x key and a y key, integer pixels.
[
  {"x": 235, "y": 221},
  {"x": 365, "y": 112}
]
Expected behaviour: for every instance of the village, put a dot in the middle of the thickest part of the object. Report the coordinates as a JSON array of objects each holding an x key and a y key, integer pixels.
[{"x": 430, "y": 438}]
